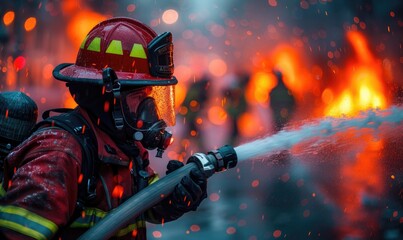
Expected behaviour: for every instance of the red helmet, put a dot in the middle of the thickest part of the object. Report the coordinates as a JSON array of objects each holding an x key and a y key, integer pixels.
[
  {"x": 136, "y": 67},
  {"x": 136, "y": 54},
  {"x": 132, "y": 49}
]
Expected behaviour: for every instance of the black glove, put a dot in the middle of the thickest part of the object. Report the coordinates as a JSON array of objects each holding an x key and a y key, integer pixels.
[{"x": 191, "y": 191}]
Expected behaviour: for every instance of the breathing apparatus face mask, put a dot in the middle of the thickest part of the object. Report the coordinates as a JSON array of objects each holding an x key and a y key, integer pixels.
[{"x": 147, "y": 112}]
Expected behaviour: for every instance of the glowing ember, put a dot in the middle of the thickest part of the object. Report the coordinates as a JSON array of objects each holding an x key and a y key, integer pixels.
[
  {"x": 214, "y": 197},
  {"x": 277, "y": 233},
  {"x": 195, "y": 228},
  {"x": 131, "y": 7},
  {"x": 117, "y": 191},
  {"x": 8, "y": 18},
  {"x": 19, "y": 63},
  {"x": 30, "y": 24},
  {"x": 231, "y": 230},
  {"x": 255, "y": 183},
  {"x": 157, "y": 234},
  {"x": 80, "y": 178},
  {"x": 170, "y": 16},
  {"x": 272, "y": 3},
  {"x": 134, "y": 233}
]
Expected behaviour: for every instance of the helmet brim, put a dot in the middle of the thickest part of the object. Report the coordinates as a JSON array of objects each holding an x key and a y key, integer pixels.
[{"x": 71, "y": 73}]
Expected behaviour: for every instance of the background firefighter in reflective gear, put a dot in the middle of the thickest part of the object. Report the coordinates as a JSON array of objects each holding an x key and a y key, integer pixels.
[{"x": 123, "y": 83}]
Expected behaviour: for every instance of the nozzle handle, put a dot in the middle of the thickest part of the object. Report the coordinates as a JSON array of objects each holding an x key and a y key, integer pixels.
[
  {"x": 226, "y": 158},
  {"x": 217, "y": 160}
]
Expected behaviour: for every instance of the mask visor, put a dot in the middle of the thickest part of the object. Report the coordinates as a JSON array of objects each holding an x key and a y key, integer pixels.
[{"x": 163, "y": 107}]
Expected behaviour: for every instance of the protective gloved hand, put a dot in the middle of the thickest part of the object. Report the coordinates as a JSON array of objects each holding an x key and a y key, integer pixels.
[{"x": 191, "y": 191}]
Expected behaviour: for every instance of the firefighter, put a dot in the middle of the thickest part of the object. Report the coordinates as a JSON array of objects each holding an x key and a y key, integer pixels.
[
  {"x": 282, "y": 103},
  {"x": 18, "y": 116},
  {"x": 123, "y": 83}
]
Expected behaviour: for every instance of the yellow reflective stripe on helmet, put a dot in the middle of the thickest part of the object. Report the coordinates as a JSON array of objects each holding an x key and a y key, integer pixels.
[
  {"x": 27, "y": 223},
  {"x": 138, "y": 51},
  {"x": 83, "y": 43},
  {"x": 95, "y": 45},
  {"x": 92, "y": 216},
  {"x": 115, "y": 47}
]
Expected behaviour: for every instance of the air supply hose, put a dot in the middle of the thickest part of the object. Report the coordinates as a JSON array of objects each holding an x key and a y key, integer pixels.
[{"x": 214, "y": 161}]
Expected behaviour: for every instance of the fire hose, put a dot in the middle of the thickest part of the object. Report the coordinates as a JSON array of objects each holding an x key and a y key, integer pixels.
[{"x": 214, "y": 161}]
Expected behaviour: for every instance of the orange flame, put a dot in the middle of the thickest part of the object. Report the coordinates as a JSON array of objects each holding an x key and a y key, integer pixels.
[
  {"x": 296, "y": 77},
  {"x": 261, "y": 83},
  {"x": 363, "y": 88},
  {"x": 80, "y": 24}
]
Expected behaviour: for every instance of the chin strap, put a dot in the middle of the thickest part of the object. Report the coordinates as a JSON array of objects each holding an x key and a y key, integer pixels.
[{"x": 112, "y": 84}]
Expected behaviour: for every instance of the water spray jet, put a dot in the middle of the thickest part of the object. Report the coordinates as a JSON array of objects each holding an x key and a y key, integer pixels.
[{"x": 324, "y": 128}]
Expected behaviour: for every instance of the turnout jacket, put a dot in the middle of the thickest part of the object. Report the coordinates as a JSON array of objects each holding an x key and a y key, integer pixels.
[{"x": 43, "y": 176}]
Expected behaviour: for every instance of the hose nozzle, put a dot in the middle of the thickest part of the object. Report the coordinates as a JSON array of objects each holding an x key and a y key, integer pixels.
[{"x": 217, "y": 160}]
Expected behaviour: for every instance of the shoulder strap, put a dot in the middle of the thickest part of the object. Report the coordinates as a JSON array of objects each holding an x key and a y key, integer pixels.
[
  {"x": 73, "y": 122},
  {"x": 46, "y": 114}
]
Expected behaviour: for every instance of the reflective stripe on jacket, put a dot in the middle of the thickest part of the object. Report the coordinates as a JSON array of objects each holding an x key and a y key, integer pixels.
[{"x": 26, "y": 222}]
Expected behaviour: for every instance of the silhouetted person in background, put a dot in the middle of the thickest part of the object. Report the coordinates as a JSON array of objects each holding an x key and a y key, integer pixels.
[
  {"x": 282, "y": 103},
  {"x": 236, "y": 103},
  {"x": 195, "y": 101}
]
